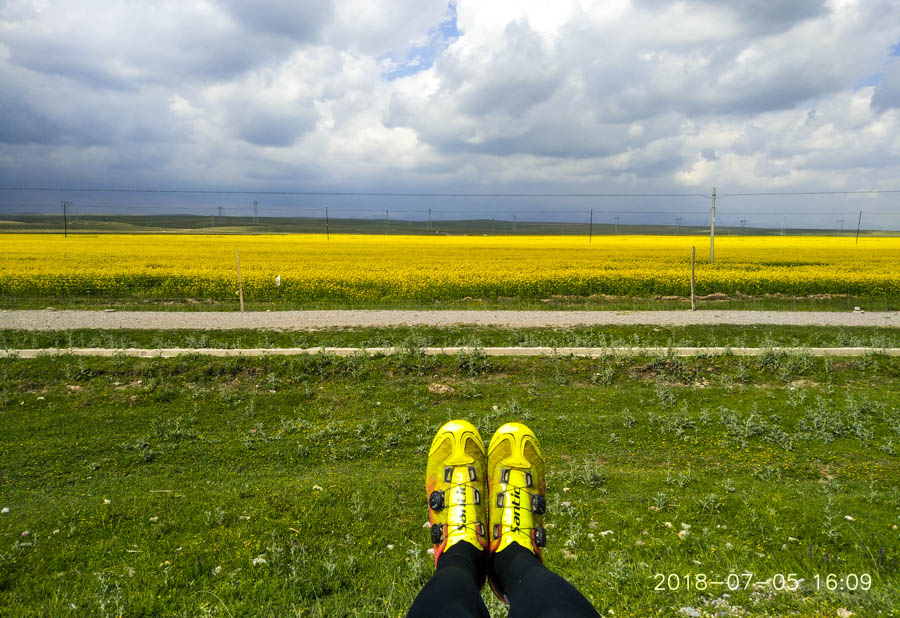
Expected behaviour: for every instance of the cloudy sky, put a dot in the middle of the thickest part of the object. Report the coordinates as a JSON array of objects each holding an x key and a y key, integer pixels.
[{"x": 570, "y": 96}]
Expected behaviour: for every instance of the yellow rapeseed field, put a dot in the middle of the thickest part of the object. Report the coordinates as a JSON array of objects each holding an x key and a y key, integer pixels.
[{"x": 370, "y": 268}]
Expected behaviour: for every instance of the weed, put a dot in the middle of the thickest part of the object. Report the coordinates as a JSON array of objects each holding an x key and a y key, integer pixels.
[{"x": 472, "y": 361}]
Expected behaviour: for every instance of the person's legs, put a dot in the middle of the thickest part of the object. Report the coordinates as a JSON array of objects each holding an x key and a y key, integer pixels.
[
  {"x": 517, "y": 502},
  {"x": 454, "y": 485},
  {"x": 454, "y": 589},
  {"x": 533, "y": 590}
]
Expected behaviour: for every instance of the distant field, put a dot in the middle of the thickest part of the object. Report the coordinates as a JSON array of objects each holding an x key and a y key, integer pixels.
[
  {"x": 361, "y": 269},
  {"x": 196, "y": 224}
]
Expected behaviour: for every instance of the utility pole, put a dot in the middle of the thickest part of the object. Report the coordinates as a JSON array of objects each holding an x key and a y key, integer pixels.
[
  {"x": 591, "y": 227},
  {"x": 712, "y": 229},
  {"x": 387, "y": 221},
  {"x": 220, "y": 212},
  {"x": 327, "y": 235},
  {"x": 65, "y": 207},
  {"x": 515, "y": 221},
  {"x": 858, "y": 223},
  {"x": 212, "y": 221},
  {"x": 743, "y": 223},
  {"x": 841, "y": 222},
  {"x": 617, "y": 226},
  {"x": 678, "y": 225},
  {"x": 429, "y": 220}
]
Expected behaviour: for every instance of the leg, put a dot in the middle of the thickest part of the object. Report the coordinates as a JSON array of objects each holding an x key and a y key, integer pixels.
[
  {"x": 516, "y": 495},
  {"x": 455, "y": 486},
  {"x": 535, "y": 591},
  {"x": 453, "y": 590}
]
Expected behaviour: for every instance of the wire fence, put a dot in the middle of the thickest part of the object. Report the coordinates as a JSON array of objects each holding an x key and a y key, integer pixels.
[{"x": 219, "y": 211}]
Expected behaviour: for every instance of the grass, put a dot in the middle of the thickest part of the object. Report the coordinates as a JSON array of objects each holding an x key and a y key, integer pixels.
[
  {"x": 204, "y": 224},
  {"x": 473, "y": 336},
  {"x": 293, "y": 486}
]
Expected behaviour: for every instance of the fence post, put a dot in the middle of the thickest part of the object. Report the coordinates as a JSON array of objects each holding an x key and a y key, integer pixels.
[
  {"x": 237, "y": 259},
  {"x": 712, "y": 229},
  {"x": 693, "y": 300}
]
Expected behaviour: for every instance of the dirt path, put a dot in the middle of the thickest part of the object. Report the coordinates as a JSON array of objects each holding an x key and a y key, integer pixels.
[{"x": 308, "y": 320}]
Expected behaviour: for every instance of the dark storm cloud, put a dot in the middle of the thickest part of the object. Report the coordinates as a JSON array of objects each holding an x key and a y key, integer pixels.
[
  {"x": 299, "y": 20},
  {"x": 768, "y": 15},
  {"x": 271, "y": 127}
]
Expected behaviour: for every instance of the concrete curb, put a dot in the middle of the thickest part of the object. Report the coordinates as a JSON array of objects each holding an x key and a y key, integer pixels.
[{"x": 499, "y": 351}]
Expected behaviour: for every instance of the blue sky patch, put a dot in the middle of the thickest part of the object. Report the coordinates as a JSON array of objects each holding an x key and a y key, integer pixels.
[{"x": 420, "y": 57}]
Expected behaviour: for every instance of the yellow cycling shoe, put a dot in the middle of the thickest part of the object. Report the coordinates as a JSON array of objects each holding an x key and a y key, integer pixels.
[
  {"x": 516, "y": 492},
  {"x": 454, "y": 483}
]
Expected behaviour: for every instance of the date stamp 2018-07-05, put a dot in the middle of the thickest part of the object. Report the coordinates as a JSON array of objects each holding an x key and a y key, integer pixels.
[{"x": 789, "y": 582}]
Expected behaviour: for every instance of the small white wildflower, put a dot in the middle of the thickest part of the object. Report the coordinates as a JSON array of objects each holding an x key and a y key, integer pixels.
[
  {"x": 728, "y": 545},
  {"x": 40, "y": 398},
  {"x": 390, "y": 546},
  {"x": 55, "y": 531},
  {"x": 25, "y": 532},
  {"x": 565, "y": 504},
  {"x": 849, "y": 518},
  {"x": 129, "y": 571},
  {"x": 565, "y": 489},
  {"x": 569, "y": 555},
  {"x": 790, "y": 538},
  {"x": 4, "y": 510},
  {"x": 427, "y": 524},
  {"x": 107, "y": 501},
  {"x": 592, "y": 536},
  {"x": 154, "y": 519},
  {"x": 685, "y": 526},
  {"x": 260, "y": 559},
  {"x": 570, "y": 543},
  {"x": 639, "y": 542},
  {"x": 593, "y": 525},
  {"x": 495, "y": 408},
  {"x": 216, "y": 571},
  {"x": 317, "y": 488},
  {"x": 668, "y": 524},
  {"x": 71, "y": 606},
  {"x": 244, "y": 517},
  {"x": 430, "y": 551},
  {"x": 683, "y": 534},
  {"x": 606, "y": 532}
]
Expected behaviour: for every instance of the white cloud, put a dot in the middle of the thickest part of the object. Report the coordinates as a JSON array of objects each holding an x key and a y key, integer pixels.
[{"x": 569, "y": 95}]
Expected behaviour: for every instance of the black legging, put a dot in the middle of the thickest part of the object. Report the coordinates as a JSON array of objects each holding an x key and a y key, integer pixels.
[{"x": 533, "y": 590}]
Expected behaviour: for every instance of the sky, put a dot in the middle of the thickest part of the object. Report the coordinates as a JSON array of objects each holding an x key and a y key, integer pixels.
[{"x": 506, "y": 96}]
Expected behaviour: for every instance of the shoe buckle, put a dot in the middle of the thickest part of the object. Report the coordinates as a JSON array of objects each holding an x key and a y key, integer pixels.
[{"x": 436, "y": 500}]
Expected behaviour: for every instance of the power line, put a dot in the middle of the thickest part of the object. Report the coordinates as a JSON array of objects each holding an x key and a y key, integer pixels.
[
  {"x": 348, "y": 193},
  {"x": 787, "y": 193}
]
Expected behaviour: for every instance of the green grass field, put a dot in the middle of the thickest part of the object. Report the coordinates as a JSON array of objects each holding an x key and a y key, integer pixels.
[
  {"x": 293, "y": 486},
  {"x": 198, "y": 224},
  {"x": 756, "y": 336}
]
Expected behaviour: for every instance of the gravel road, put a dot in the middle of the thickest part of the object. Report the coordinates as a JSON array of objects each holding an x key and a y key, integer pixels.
[{"x": 308, "y": 320}]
